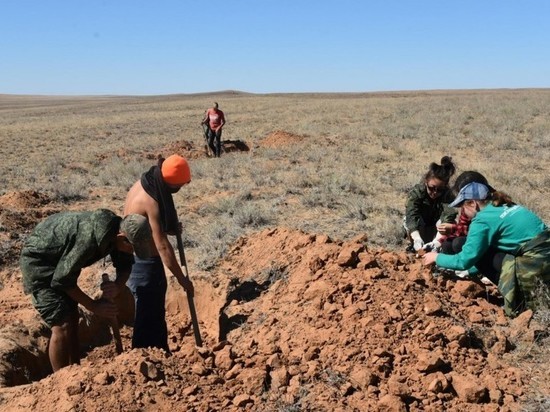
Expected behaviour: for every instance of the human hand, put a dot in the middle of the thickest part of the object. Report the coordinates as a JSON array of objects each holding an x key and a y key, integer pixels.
[
  {"x": 417, "y": 244},
  {"x": 445, "y": 228},
  {"x": 429, "y": 258},
  {"x": 186, "y": 283},
  {"x": 417, "y": 240},
  {"x": 104, "y": 308},
  {"x": 109, "y": 290},
  {"x": 432, "y": 246}
]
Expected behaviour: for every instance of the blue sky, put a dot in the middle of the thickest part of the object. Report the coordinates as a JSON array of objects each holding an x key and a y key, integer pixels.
[{"x": 267, "y": 46}]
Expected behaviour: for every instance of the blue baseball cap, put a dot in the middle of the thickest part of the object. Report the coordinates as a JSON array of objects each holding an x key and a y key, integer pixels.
[{"x": 472, "y": 191}]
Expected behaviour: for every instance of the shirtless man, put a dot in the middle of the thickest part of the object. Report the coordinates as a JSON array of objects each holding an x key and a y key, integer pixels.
[{"x": 151, "y": 196}]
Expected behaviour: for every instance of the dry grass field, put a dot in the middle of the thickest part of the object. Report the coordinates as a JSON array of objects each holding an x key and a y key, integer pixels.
[
  {"x": 344, "y": 168},
  {"x": 334, "y": 164}
]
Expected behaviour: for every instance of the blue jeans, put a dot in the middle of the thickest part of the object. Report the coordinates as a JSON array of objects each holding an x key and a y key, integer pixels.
[
  {"x": 147, "y": 283},
  {"x": 215, "y": 141}
]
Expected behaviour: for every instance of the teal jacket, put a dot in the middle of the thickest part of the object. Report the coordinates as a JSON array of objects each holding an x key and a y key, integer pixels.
[
  {"x": 500, "y": 227},
  {"x": 60, "y": 246}
]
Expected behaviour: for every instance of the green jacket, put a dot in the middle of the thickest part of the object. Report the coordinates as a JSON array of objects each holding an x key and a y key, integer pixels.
[
  {"x": 60, "y": 246},
  {"x": 421, "y": 210}
]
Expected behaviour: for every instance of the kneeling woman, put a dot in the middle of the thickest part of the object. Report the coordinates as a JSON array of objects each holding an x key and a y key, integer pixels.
[{"x": 508, "y": 243}]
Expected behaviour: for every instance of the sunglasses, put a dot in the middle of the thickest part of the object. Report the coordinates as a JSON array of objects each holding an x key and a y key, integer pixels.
[{"x": 436, "y": 189}]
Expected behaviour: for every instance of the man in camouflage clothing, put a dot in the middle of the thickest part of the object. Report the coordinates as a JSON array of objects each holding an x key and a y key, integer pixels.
[{"x": 51, "y": 261}]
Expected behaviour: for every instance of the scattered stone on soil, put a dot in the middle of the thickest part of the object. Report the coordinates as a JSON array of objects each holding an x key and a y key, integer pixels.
[{"x": 295, "y": 321}]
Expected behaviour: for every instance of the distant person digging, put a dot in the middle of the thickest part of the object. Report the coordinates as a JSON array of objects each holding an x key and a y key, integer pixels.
[
  {"x": 55, "y": 253},
  {"x": 213, "y": 122}
]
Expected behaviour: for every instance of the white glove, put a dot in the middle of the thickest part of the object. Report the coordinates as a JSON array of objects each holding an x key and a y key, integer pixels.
[
  {"x": 432, "y": 246},
  {"x": 417, "y": 240}
]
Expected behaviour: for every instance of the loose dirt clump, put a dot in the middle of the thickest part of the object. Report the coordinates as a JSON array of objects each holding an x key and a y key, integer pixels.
[
  {"x": 122, "y": 153},
  {"x": 24, "y": 199},
  {"x": 20, "y": 211},
  {"x": 190, "y": 151},
  {"x": 182, "y": 147},
  {"x": 298, "y": 321},
  {"x": 281, "y": 138}
]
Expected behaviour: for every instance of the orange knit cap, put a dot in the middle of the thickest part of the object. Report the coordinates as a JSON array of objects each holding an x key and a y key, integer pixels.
[{"x": 175, "y": 170}]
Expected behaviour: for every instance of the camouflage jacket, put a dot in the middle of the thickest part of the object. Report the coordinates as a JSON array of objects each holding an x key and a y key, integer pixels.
[
  {"x": 521, "y": 272},
  {"x": 421, "y": 210},
  {"x": 60, "y": 246}
]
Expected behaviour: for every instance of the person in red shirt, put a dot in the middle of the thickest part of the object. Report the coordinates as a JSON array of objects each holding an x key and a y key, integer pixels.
[{"x": 214, "y": 120}]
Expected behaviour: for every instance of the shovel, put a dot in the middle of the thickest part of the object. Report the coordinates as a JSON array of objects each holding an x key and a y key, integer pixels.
[
  {"x": 192, "y": 311},
  {"x": 114, "y": 324}
]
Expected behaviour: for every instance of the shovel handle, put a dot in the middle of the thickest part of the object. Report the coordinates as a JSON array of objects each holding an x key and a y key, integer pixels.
[
  {"x": 190, "y": 301},
  {"x": 114, "y": 323}
]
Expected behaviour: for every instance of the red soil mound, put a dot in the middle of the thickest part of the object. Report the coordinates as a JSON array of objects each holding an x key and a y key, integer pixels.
[
  {"x": 19, "y": 213},
  {"x": 280, "y": 138},
  {"x": 295, "y": 321},
  {"x": 24, "y": 199},
  {"x": 183, "y": 147}
]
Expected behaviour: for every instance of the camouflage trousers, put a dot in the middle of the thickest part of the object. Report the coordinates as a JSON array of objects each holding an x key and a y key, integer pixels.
[{"x": 521, "y": 273}]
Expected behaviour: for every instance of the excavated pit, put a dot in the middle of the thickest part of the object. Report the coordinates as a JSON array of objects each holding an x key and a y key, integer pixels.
[
  {"x": 24, "y": 347},
  {"x": 293, "y": 319}
]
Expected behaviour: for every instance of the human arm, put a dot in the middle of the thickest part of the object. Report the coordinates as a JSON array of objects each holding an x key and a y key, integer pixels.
[
  {"x": 206, "y": 117},
  {"x": 435, "y": 244},
  {"x": 448, "y": 215},
  {"x": 122, "y": 262},
  {"x": 101, "y": 307},
  {"x": 413, "y": 216},
  {"x": 222, "y": 120},
  {"x": 111, "y": 289},
  {"x": 66, "y": 276},
  {"x": 165, "y": 248},
  {"x": 477, "y": 243},
  {"x": 446, "y": 228},
  {"x": 413, "y": 209},
  {"x": 429, "y": 258}
]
